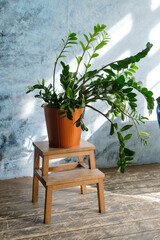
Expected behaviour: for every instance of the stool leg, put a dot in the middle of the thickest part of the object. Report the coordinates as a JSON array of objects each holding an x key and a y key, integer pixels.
[
  {"x": 83, "y": 187},
  {"x": 92, "y": 164},
  {"x": 35, "y": 179},
  {"x": 101, "y": 201},
  {"x": 48, "y": 205}
]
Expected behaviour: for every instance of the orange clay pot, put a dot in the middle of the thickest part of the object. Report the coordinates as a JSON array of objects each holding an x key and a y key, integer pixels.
[{"x": 62, "y": 132}]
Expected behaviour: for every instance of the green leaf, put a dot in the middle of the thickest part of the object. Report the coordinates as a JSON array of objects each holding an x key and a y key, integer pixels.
[
  {"x": 90, "y": 73},
  {"x": 94, "y": 55},
  {"x": 43, "y": 81},
  {"x": 92, "y": 39},
  {"x": 100, "y": 45},
  {"x": 128, "y": 158},
  {"x": 72, "y": 35},
  {"x": 69, "y": 92},
  {"x": 71, "y": 109},
  {"x": 144, "y": 133},
  {"x": 120, "y": 137},
  {"x": 125, "y": 128},
  {"x": 61, "y": 113},
  {"x": 62, "y": 56},
  {"x": 82, "y": 105},
  {"x": 144, "y": 118},
  {"x": 128, "y": 136},
  {"x": 95, "y": 29},
  {"x": 122, "y": 116},
  {"x": 98, "y": 27},
  {"x": 122, "y": 169},
  {"x": 30, "y": 88},
  {"x": 149, "y": 93},
  {"x": 121, "y": 80},
  {"x": 72, "y": 43},
  {"x": 128, "y": 152},
  {"x": 112, "y": 129},
  {"x": 83, "y": 127},
  {"x": 115, "y": 67},
  {"x": 87, "y": 39},
  {"x": 91, "y": 35},
  {"x": 103, "y": 26},
  {"x": 130, "y": 82},
  {"x": 87, "y": 66},
  {"x": 122, "y": 64},
  {"x": 133, "y": 66},
  {"x": 83, "y": 47},
  {"x": 110, "y": 72},
  {"x": 63, "y": 107},
  {"x": 128, "y": 73},
  {"x": 69, "y": 115},
  {"x": 131, "y": 95},
  {"x": 127, "y": 90},
  {"x": 132, "y": 104},
  {"x": 79, "y": 58},
  {"x": 37, "y": 96},
  {"x": 133, "y": 99},
  {"x": 115, "y": 126}
]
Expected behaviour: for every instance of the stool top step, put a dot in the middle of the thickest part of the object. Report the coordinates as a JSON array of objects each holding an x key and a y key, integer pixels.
[
  {"x": 70, "y": 176},
  {"x": 44, "y": 149}
]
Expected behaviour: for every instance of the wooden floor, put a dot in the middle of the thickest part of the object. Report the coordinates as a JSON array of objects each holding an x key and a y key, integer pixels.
[{"x": 132, "y": 209}]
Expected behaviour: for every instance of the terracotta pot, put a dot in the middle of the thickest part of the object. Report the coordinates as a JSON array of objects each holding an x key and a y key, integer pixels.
[{"x": 62, "y": 132}]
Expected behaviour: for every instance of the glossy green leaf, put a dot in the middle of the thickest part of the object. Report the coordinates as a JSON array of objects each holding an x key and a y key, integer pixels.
[
  {"x": 131, "y": 95},
  {"x": 125, "y": 128},
  {"x": 100, "y": 45},
  {"x": 128, "y": 152},
  {"x": 79, "y": 58},
  {"x": 129, "y": 158},
  {"x": 109, "y": 72},
  {"x": 120, "y": 137},
  {"x": 115, "y": 67},
  {"x": 86, "y": 37},
  {"x": 94, "y": 55},
  {"x": 112, "y": 129},
  {"x": 69, "y": 92},
  {"x": 63, "y": 106},
  {"x": 115, "y": 126},
  {"x": 128, "y": 136},
  {"x": 144, "y": 133},
  {"x": 127, "y": 90},
  {"x": 83, "y": 47}
]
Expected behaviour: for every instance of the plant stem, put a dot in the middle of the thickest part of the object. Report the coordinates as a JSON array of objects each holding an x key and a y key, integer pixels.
[
  {"x": 54, "y": 71},
  {"x": 80, "y": 61},
  {"x": 95, "y": 74},
  {"x": 95, "y": 109}
]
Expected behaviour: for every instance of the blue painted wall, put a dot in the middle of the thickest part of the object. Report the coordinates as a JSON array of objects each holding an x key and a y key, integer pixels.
[{"x": 30, "y": 33}]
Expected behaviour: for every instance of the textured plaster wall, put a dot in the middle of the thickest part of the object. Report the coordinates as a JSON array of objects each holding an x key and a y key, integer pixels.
[{"x": 29, "y": 38}]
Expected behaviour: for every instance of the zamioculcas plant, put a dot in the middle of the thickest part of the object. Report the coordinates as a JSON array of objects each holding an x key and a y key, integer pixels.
[{"x": 113, "y": 83}]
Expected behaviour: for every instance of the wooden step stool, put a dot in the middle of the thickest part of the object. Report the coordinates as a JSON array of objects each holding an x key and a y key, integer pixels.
[{"x": 77, "y": 174}]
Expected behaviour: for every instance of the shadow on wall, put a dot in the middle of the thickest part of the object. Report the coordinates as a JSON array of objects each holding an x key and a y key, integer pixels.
[
  {"x": 27, "y": 55},
  {"x": 107, "y": 147}
]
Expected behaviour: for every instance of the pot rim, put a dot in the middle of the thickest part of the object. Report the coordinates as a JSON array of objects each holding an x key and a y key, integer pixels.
[{"x": 47, "y": 106}]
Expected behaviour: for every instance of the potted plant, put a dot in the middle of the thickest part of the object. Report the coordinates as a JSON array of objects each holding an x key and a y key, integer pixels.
[{"x": 113, "y": 83}]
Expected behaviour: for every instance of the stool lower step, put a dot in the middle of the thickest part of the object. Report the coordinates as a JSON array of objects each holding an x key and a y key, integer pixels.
[{"x": 57, "y": 178}]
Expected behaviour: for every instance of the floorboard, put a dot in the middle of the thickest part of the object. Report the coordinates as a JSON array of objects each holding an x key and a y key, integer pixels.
[{"x": 132, "y": 209}]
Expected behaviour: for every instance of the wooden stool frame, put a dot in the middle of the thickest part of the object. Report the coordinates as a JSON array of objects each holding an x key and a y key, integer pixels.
[{"x": 82, "y": 175}]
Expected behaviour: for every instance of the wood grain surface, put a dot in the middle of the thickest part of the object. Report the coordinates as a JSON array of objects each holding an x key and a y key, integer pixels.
[{"x": 132, "y": 209}]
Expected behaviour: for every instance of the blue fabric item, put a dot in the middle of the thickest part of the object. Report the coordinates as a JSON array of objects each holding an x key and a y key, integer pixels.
[{"x": 158, "y": 114}]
